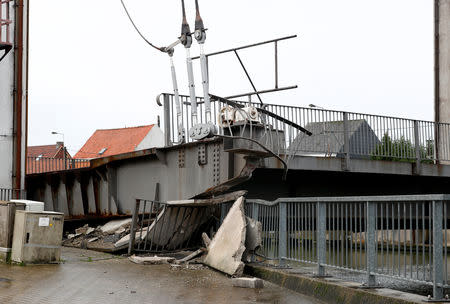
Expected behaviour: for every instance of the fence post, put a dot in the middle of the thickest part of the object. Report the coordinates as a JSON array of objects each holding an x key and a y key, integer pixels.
[
  {"x": 417, "y": 146},
  {"x": 371, "y": 243},
  {"x": 167, "y": 119},
  {"x": 282, "y": 232},
  {"x": 133, "y": 226},
  {"x": 255, "y": 211},
  {"x": 438, "y": 267},
  {"x": 321, "y": 237},
  {"x": 346, "y": 165}
]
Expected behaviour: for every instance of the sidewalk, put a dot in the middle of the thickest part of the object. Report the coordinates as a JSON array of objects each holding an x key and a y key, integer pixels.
[{"x": 93, "y": 277}]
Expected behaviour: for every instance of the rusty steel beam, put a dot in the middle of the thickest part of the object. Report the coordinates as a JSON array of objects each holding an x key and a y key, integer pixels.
[{"x": 18, "y": 107}]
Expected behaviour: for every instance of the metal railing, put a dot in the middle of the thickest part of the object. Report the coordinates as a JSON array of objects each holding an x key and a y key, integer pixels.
[
  {"x": 398, "y": 237},
  {"x": 9, "y": 194},
  {"x": 45, "y": 164},
  {"x": 335, "y": 133},
  {"x": 161, "y": 227}
]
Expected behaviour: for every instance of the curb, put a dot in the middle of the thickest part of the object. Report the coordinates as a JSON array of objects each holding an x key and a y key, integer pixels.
[{"x": 332, "y": 292}]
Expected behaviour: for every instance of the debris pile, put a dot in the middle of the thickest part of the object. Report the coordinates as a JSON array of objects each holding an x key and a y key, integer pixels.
[
  {"x": 102, "y": 238},
  {"x": 233, "y": 244}
]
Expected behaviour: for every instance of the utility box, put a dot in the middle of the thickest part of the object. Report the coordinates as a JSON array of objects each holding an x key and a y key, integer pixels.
[
  {"x": 7, "y": 215},
  {"x": 30, "y": 205},
  {"x": 37, "y": 237}
]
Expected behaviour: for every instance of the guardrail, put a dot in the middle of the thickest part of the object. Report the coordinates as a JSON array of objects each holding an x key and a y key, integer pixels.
[
  {"x": 401, "y": 237},
  {"x": 335, "y": 133},
  {"x": 44, "y": 164},
  {"x": 9, "y": 194}
]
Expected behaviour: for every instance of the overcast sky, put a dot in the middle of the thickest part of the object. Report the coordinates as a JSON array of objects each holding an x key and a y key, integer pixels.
[{"x": 90, "y": 70}]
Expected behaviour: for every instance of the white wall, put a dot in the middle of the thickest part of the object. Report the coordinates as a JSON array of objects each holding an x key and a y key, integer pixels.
[{"x": 154, "y": 139}]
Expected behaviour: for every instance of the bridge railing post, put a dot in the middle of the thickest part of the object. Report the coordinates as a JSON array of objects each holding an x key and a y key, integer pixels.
[
  {"x": 134, "y": 221},
  {"x": 371, "y": 249},
  {"x": 438, "y": 267},
  {"x": 282, "y": 233},
  {"x": 346, "y": 165},
  {"x": 321, "y": 238},
  {"x": 255, "y": 211},
  {"x": 417, "y": 146}
]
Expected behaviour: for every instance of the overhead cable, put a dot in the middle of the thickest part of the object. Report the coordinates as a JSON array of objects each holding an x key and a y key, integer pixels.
[{"x": 162, "y": 49}]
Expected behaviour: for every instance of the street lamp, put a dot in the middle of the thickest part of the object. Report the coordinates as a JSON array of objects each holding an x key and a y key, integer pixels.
[
  {"x": 64, "y": 148},
  {"x": 314, "y": 106},
  {"x": 54, "y": 133}
]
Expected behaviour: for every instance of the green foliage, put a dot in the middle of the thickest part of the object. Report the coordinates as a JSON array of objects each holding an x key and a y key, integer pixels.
[{"x": 401, "y": 150}]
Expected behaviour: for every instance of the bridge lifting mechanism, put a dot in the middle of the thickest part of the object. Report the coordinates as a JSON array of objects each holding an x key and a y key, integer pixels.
[
  {"x": 5, "y": 28},
  {"x": 233, "y": 113}
]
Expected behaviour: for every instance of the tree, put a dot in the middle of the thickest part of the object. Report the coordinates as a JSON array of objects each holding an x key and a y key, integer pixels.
[{"x": 402, "y": 150}]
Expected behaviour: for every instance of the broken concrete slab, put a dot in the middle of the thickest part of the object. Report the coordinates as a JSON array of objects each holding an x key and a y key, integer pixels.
[
  {"x": 92, "y": 240},
  {"x": 82, "y": 230},
  {"x": 154, "y": 260},
  {"x": 112, "y": 226},
  {"x": 191, "y": 256},
  {"x": 90, "y": 230},
  {"x": 228, "y": 245},
  {"x": 247, "y": 282},
  {"x": 120, "y": 230},
  {"x": 73, "y": 235}
]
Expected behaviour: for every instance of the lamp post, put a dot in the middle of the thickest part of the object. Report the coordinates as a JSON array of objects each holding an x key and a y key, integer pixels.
[{"x": 64, "y": 148}]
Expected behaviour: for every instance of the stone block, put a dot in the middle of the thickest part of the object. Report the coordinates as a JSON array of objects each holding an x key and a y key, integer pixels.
[{"x": 247, "y": 282}]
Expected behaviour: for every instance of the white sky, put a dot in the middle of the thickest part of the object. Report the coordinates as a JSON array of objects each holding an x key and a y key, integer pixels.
[{"x": 90, "y": 70}]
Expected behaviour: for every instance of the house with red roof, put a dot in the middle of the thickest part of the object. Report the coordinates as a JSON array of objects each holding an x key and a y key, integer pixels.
[
  {"x": 117, "y": 141},
  {"x": 47, "y": 158},
  {"x": 48, "y": 151}
]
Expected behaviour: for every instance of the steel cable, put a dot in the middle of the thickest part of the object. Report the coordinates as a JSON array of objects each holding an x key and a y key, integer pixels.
[{"x": 161, "y": 49}]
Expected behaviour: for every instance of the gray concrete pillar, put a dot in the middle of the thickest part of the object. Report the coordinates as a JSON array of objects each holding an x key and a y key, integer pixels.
[{"x": 442, "y": 89}]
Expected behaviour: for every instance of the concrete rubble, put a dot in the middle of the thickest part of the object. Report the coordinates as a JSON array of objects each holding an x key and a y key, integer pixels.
[
  {"x": 102, "y": 238},
  {"x": 228, "y": 245},
  {"x": 237, "y": 238},
  {"x": 151, "y": 260},
  {"x": 233, "y": 244},
  {"x": 247, "y": 282},
  {"x": 113, "y": 226}
]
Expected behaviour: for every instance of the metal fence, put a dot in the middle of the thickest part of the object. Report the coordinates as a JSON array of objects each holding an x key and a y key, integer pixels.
[
  {"x": 400, "y": 237},
  {"x": 47, "y": 164},
  {"x": 9, "y": 194},
  {"x": 162, "y": 227},
  {"x": 335, "y": 133}
]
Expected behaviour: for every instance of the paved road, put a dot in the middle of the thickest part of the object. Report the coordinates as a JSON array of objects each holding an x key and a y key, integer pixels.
[{"x": 92, "y": 277}]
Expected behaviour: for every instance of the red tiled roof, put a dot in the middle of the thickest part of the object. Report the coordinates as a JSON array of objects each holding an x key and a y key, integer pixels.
[
  {"x": 47, "y": 158},
  {"x": 49, "y": 151},
  {"x": 116, "y": 141}
]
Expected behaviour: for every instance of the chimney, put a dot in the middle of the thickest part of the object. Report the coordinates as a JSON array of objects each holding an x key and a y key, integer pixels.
[{"x": 59, "y": 144}]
